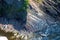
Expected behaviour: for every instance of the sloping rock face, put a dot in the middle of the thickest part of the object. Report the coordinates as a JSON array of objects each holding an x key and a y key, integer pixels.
[
  {"x": 44, "y": 18},
  {"x": 51, "y": 7}
]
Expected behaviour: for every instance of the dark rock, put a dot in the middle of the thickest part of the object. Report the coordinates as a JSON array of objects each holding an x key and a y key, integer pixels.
[{"x": 51, "y": 7}]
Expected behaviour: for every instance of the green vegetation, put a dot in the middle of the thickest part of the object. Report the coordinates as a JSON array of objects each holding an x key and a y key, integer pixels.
[
  {"x": 20, "y": 13},
  {"x": 24, "y": 6},
  {"x": 9, "y": 8}
]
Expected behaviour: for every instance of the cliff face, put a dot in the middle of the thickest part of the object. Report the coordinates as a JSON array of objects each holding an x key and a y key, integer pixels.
[
  {"x": 42, "y": 17},
  {"x": 42, "y": 14}
]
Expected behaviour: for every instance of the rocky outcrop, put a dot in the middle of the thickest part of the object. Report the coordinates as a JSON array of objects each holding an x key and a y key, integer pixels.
[
  {"x": 3, "y": 38},
  {"x": 44, "y": 18},
  {"x": 51, "y": 7}
]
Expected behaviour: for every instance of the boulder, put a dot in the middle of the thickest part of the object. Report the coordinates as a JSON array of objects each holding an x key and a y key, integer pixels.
[{"x": 3, "y": 38}]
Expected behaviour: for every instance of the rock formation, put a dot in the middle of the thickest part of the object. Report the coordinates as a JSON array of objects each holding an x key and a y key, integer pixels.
[{"x": 41, "y": 17}]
